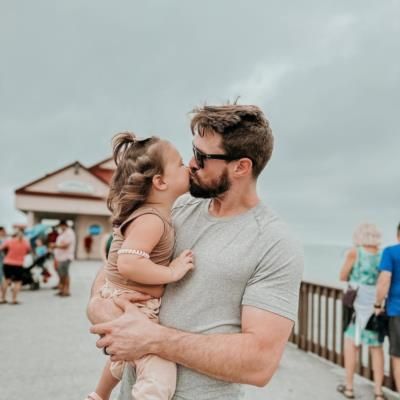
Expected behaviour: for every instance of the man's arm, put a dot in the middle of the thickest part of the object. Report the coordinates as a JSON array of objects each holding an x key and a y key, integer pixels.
[
  {"x": 385, "y": 277},
  {"x": 383, "y": 286},
  {"x": 250, "y": 357}
]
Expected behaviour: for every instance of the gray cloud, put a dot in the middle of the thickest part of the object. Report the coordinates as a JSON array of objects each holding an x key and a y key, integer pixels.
[{"x": 326, "y": 74}]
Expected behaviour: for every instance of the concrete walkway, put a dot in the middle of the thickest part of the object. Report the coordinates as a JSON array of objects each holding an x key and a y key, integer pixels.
[{"x": 46, "y": 352}]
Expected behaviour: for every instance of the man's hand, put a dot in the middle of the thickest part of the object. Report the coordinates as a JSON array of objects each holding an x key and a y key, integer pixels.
[
  {"x": 128, "y": 337},
  {"x": 378, "y": 311}
]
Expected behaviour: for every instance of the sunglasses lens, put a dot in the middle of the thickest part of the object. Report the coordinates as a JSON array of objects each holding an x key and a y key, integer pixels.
[{"x": 198, "y": 157}]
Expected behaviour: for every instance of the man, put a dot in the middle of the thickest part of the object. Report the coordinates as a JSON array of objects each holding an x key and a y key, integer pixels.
[
  {"x": 226, "y": 323},
  {"x": 64, "y": 253},
  {"x": 388, "y": 287}
]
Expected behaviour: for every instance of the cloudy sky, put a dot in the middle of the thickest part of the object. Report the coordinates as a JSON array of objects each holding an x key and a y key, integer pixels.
[{"x": 326, "y": 73}]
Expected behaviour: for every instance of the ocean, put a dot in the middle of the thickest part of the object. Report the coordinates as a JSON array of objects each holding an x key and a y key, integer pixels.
[{"x": 323, "y": 263}]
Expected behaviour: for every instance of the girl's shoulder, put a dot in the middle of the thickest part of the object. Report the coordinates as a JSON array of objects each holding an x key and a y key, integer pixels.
[{"x": 141, "y": 211}]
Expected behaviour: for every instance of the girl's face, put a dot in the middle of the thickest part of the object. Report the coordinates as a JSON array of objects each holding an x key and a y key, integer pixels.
[{"x": 176, "y": 173}]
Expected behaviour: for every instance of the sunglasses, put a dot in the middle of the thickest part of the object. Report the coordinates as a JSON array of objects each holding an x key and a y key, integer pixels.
[{"x": 200, "y": 157}]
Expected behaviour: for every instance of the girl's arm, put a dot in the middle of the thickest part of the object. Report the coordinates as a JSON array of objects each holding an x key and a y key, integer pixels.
[
  {"x": 143, "y": 234},
  {"x": 348, "y": 264}
]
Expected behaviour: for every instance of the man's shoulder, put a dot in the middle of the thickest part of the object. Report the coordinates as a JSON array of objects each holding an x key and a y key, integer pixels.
[
  {"x": 71, "y": 233},
  {"x": 270, "y": 222},
  {"x": 276, "y": 235},
  {"x": 393, "y": 250}
]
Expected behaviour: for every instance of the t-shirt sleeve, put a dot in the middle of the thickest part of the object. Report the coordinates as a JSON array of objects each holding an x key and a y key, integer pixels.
[
  {"x": 275, "y": 283},
  {"x": 386, "y": 263}
]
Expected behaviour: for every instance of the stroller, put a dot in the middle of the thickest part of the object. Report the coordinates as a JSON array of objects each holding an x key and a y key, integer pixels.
[{"x": 36, "y": 271}]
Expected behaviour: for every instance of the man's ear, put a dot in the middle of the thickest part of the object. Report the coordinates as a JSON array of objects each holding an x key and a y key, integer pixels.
[
  {"x": 243, "y": 167},
  {"x": 159, "y": 183}
]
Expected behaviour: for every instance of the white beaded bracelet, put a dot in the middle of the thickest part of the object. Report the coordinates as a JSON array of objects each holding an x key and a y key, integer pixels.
[{"x": 135, "y": 252}]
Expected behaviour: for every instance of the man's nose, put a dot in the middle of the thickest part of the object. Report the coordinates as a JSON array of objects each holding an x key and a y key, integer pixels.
[{"x": 193, "y": 164}]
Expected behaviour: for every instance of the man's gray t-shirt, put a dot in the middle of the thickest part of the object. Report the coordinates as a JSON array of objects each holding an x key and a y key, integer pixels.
[{"x": 249, "y": 259}]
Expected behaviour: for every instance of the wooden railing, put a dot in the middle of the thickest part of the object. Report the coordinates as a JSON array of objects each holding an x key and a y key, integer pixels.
[{"x": 320, "y": 328}]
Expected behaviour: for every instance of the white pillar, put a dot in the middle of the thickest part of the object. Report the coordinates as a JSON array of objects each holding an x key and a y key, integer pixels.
[{"x": 31, "y": 219}]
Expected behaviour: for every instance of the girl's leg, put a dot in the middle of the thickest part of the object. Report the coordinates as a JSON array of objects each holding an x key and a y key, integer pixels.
[
  {"x": 350, "y": 361},
  {"x": 106, "y": 383},
  {"x": 377, "y": 366},
  {"x": 155, "y": 379}
]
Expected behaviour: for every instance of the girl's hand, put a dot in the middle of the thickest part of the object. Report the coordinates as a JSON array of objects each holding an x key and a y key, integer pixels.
[{"x": 181, "y": 265}]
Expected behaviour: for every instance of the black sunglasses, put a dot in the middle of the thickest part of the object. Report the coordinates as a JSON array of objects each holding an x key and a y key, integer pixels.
[{"x": 199, "y": 156}]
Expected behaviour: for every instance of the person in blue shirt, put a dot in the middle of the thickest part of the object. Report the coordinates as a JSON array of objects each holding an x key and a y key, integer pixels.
[{"x": 388, "y": 288}]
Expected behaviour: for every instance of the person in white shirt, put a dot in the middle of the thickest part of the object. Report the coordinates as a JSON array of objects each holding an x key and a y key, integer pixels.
[{"x": 64, "y": 252}]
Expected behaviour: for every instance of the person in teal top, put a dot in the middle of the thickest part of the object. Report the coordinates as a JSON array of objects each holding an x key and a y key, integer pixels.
[
  {"x": 361, "y": 271},
  {"x": 365, "y": 270}
]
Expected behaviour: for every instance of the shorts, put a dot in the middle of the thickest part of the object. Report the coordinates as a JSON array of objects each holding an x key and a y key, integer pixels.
[
  {"x": 368, "y": 338},
  {"x": 13, "y": 272},
  {"x": 394, "y": 336},
  {"x": 63, "y": 268}
]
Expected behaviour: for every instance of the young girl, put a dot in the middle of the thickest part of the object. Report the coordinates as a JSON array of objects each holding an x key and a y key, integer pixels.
[{"x": 150, "y": 176}]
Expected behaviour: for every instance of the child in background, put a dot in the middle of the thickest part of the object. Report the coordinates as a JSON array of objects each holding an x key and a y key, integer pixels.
[
  {"x": 149, "y": 177},
  {"x": 41, "y": 255},
  {"x": 40, "y": 248}
]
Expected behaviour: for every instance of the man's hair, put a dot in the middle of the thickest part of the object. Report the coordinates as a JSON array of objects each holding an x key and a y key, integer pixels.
[
  {"x": 244, "y": 129},
  {"x": 398, "y": 229}
]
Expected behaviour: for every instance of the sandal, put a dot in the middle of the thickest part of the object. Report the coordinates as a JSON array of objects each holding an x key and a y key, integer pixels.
[
  {"x": 380, "y": 396},
  {"x": 348, "y": 393},
  {"x": 3, "y": 301},
  {"x": 14, "y": 303}
]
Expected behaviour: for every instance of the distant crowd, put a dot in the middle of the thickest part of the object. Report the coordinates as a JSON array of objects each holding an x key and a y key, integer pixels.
[{"x": 21, "y": 257}]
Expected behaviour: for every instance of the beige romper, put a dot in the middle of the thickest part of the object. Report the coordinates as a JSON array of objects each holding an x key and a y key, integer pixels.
[{"x": 155, "y": 377}]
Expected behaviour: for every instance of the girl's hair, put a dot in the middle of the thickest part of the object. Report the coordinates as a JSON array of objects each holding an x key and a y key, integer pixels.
[
  {"x": 137, "y": 161},
  {"x": 367, "y": 235}
]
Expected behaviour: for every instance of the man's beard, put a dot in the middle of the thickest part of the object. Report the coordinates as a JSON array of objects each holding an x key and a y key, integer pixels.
[{"x": 217, "y": 187}]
